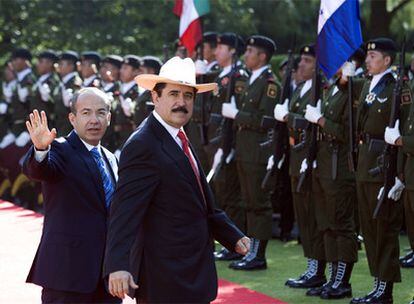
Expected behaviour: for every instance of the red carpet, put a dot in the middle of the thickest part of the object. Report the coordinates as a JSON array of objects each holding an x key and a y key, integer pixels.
[{"x": 20, "y": 232}]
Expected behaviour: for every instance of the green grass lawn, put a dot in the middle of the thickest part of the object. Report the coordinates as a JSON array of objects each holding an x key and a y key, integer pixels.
[{"x": 286, "y": 260}]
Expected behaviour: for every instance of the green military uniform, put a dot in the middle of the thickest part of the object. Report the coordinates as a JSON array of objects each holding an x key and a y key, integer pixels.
[
  {"x": 19, "y": 109},
  {"x": 408, "y": 173},
  {"x": 123, "y": 121},
  {"x": 258, "y": 100},
  {"x": 333, "y": 191},
  {"x": 194, "y": 128},
  {"x": 52, "y": 81},
  {"x": 69, "y": 85},
  {"x": 143, "y": 107},
  {"x": 303, "y": 201},
  {"x": 381, "y": 234},
  {"x": 112, "y": 90},
  {"x": 226, "y": 182}
]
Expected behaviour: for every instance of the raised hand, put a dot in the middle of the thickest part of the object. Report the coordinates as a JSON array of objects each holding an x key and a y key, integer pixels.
[{"x": 39, "y": 131}]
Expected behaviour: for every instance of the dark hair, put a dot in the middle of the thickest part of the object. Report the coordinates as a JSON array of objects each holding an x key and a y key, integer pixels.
[{"x": 161, "y": 86}]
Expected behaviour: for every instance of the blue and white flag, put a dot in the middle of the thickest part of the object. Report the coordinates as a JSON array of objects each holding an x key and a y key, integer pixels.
[{"x": 339, "y": 34}]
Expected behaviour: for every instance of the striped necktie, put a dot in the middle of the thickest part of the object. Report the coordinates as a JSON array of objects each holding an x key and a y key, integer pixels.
[{"x": 106, "y": 179}]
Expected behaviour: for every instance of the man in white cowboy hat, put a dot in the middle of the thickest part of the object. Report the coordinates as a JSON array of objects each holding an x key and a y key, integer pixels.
[{"x": 163, "y": 220}]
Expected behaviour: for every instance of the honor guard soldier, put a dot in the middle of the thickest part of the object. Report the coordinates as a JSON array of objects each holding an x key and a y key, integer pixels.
[
  {"x": 404, "y": 139},
  {"x": 207, "y": 70},
  {"x": 380, "y": 233},
  {"x": 333, "y": 183},
  {"x": 144, "y": 105},
  {"x": 109, "y": 73},
  {"x": 292, "y": 112},
  {"x": 90, "y": 62},
  {"x": 48, "y": 81},
  {"x": 221, "y": 133},
  {"x": 257, "y": 100},
  {"x": 9, "y": 84},
  {"x": 69, "y": 85},
  {"x": 18, "y": 111},
  {"x": 123, "y": 121}
]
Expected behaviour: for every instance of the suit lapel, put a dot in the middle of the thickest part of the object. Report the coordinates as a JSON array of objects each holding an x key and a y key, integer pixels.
[
  {"x": 173, "y": 151},
  {"x": 90, "y": 163}
]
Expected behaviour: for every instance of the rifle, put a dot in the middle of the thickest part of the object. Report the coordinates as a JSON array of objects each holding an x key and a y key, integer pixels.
[
  {"x": 226, "y": 128},
  {"x": 280, "y": 132},
  {"x": 351, "y": 128},
  {"x": 390, "y": 152},
  {"x": 311, "y": 154},
  {"x": 204, "y": 125}
]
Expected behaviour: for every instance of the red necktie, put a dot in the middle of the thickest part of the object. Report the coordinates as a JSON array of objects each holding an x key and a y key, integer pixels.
[{"x": 184, "y": 140}]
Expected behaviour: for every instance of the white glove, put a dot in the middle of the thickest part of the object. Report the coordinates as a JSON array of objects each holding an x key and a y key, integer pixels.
[
  {"x": 303, "y": 166},
  {"x": 270, "y": 163},
  {"x": 396, "y": 190},
  {"x": 22, "y": 139},
  {"x": 348, "y": 69},
  {"x": 313, "y": 114},
  {"x": 281, "y": 110},
  {"x": 201, "y": 67},
  {"x": 126, "y": 104},
  {"x": 392, "y": 134},
  {"x": 7, "y": 140},
  {"x": 7, "y": 92},
  {"x": 217, "y": 159},
  {"x": 3, "y": 108},
  {"x": 229, "y": 110},
  {"x": 44, "y": 91},
  {"x": 23, "y": 93},
  {"x": 67, "y": 95}
]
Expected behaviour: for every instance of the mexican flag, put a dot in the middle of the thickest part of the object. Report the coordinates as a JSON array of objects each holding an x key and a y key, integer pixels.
[{"x": 190, "y": 12}]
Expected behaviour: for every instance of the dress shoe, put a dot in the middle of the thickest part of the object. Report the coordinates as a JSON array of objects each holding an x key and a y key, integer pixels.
[
  {"x": 226, "y": 255},
  {"x": 249, "y": 264},
  {"x": 364, "y": 299},
  {"x": 409, "y": 255},
  {"x": 316, "y": 280},
  {"x": 317, "y": 291},
  {"x": 383, "y": 294},
  {"x": 408, "y": 263},
  {"x": 343, "y": 290}
]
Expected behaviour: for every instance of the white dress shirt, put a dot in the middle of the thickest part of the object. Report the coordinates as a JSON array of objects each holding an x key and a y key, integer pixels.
[
  {"x": 377, "y": 78},
  {"x": 256, "y": 73},
  {"x": 306, "y": 87}
]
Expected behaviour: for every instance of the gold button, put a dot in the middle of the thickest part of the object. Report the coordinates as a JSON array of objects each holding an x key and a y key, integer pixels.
[
  {"x": 379, "y": 110},
  {"x": 297, "y": 104},
  {"x": 251, "y": 100},
  {"x": 331, "y": 112}
]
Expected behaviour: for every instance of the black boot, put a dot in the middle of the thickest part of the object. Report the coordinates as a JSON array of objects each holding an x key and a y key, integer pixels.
[
  {"x": 314, "y": 278},
  {"x": 408, "y": 263},
  {"x": 254, "y": 260},
  {"x": 340, "y": 288},
  {"x": 364, "y": 299},
  {"x": 383, "y": 294},
  {"x": 317, "y": 291},
  {"x": 291, "y": 281},
  {"x": 409, "y": 255},
  {"x": 226, "y": 255}
]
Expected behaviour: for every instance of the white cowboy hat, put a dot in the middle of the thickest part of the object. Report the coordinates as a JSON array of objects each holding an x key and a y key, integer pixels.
[{"x": 175, "y": 71}]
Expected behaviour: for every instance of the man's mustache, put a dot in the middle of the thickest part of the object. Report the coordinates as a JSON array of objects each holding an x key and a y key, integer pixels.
[{"x": 180, "y": 109}]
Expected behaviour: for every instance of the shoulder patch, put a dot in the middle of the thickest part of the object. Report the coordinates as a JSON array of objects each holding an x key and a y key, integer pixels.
[
  {"x": 239, "y": 86},
  {"x": 271, "y": 90},
  {"x": 406, "y": 97}
]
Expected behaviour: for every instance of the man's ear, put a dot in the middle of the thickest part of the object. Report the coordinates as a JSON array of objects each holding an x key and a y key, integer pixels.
[
  {"x": 109, "y": 118},
  {"x": 154, "y": 96},
  {"x": 71, "y": 117}
]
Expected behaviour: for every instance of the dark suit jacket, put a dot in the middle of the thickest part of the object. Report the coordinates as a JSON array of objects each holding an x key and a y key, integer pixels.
[
  {"x": 71, "y": 250},
  {"x": 158, "y": 206}
]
